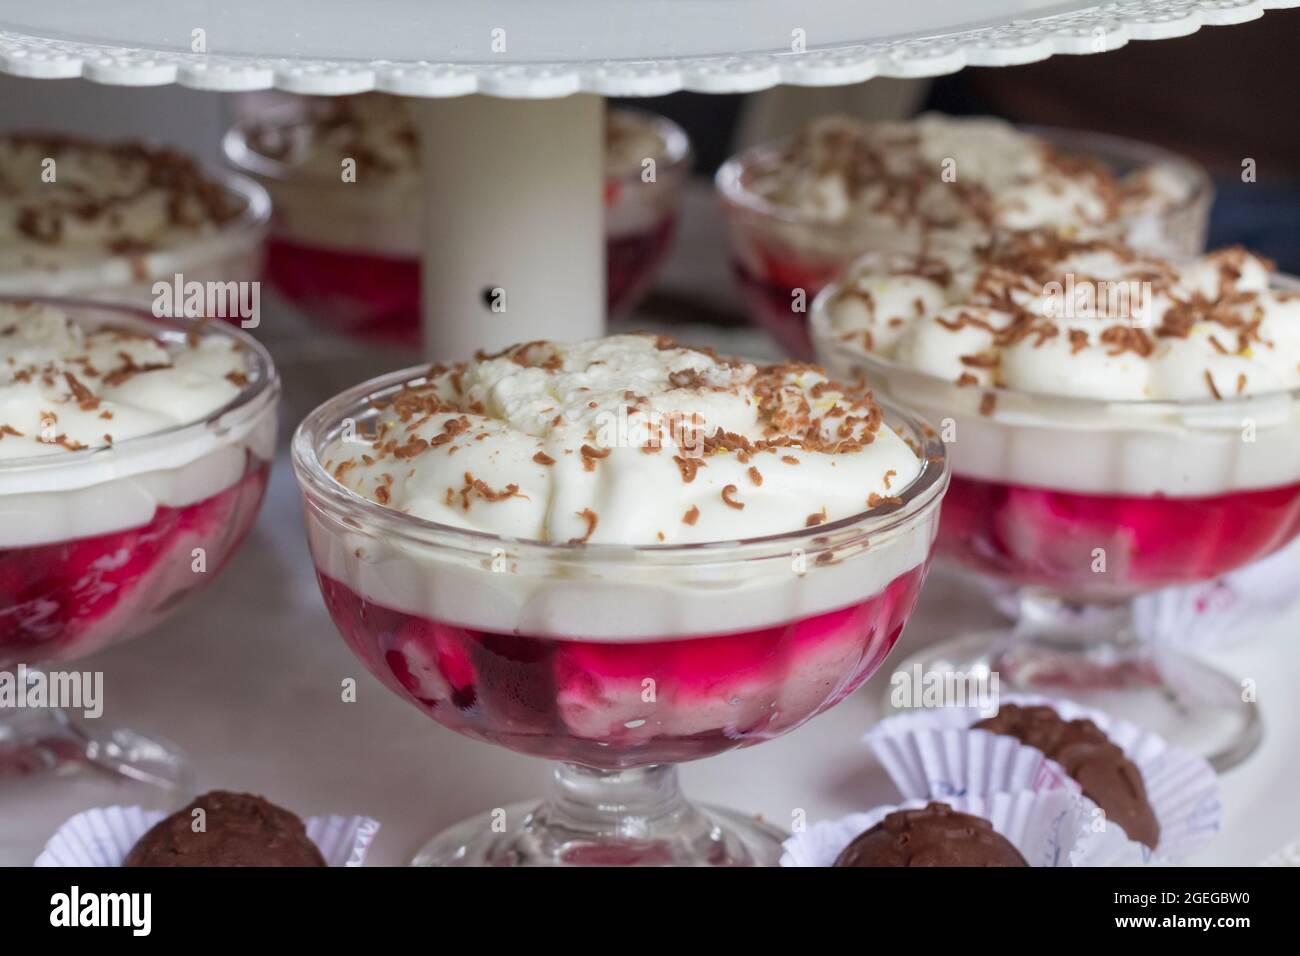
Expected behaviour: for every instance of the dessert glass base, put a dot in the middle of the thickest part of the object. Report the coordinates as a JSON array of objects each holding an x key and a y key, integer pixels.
[
  {"x": 607, "y": 818},
  {"x": 1090, "y": 654},
  {"x": 43, "y": 740}
]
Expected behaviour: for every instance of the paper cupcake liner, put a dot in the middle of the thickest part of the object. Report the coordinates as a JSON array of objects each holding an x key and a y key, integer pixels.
[
  {"x": 933, "y": 753},
  {"x": 1049, "y": 828},
  {"x": 103, "y": 836},
  {"x": 1227, "y": 611},
  {"x": 951, "y": 762}
]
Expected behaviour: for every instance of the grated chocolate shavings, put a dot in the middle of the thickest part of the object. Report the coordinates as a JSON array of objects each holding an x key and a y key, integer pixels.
[
  {"x": 589, "y": 516},
  {"x": 1214, "y": 390},
  {"x": 591, "y": 455},
  {"x": 688, "y": 467},
  {"x": 83, "y": 396},
  {"x": 874, "y": 500}
]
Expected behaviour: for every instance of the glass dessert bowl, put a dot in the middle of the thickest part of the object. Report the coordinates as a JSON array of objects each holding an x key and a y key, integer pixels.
[
  {"x": 134, "y": 453},
  {"x": 571, "y": 639},
  {"x": 800, "y": 211},
  {"x": 108, "y": 220},
  {"x": 348, "y": 253},
  {"x": 1095, "y": 457}
]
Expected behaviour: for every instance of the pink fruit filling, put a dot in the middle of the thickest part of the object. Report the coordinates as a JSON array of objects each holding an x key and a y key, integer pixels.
[
  {"x": 63, "y": 600},
  {"x": 771, "y": 294},
  {"x": 378, "y": 297},
  {"x": 616, "y": 704},
  {"x": 1097, "y": 545},
  {"x": 351, "y": 293},
  {"x": 631, "y": 262}
]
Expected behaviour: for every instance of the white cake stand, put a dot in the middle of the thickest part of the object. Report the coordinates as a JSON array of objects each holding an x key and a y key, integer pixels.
[{"x": 511, "y": 196}]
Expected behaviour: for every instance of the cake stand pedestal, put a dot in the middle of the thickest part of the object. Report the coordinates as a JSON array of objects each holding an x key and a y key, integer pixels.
[{"x": 513, "y": 199}]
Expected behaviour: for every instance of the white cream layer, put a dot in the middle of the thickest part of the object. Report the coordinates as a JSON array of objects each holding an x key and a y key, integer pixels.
[
  {"x": 67, "y": 204},
  {"x": 605, "y": 441},
  {"x": 52, "y": 488},
  {"x": 1076, "y": 319},
  {"x": 554, "y": 407},
  {"x": 963, "y": 175},
  {"x": 1085, "y": 416}
]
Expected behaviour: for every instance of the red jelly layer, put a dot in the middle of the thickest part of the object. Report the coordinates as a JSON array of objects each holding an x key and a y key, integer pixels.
[
  {"x": 352, "y": 293},
  {"x": 771, "y": 298},
  {"x": 60, "y": 601},
  {"x": 632, "y": 261},
  {"x": 1097, "y": 545},
  {"x": 616, "y": 704}
]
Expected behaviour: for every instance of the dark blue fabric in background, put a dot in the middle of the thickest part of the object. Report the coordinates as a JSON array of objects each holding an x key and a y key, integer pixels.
[{"x": 1264, "y": 218}]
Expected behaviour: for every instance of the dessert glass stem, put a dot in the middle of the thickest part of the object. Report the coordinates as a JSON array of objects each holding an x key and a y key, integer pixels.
[
  {"x": 635, "y": 817},
  {"x": 41, "y": 739},
  {"x": 1065, "y": 625},
  {"x": 633, "y": 806},
  {"x": 501, "y": 179},
  {"x": 1092, "y": 654}
]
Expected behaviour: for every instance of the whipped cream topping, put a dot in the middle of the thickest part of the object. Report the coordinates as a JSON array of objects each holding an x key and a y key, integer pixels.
[
  {"x": 65, "y": 386},
  {"x": 1084, "y": 318},
  {"x": 375, "y": 130},
  {"x": 630, "y": 139},
  {"x": 64, "y": 200},
  {"x": 628, "y": 439},
  {"x": 956, "y": 175}
]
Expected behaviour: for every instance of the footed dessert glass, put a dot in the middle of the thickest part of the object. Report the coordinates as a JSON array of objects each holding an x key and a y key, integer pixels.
[
  {"x": 349, "y": 255},
  {"x": 782, "y": 258},
  {"x": 616, "y": 661},
  {"x": 99, "y": 545},
  {"x": 1080, "y": 505}
]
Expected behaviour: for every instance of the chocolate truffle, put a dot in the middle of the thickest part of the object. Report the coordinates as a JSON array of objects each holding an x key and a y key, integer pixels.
[
  {"x": 935, "y": 835},
  {"x": 1108, "y": 778},
  {"x": 239, "y": 830}
]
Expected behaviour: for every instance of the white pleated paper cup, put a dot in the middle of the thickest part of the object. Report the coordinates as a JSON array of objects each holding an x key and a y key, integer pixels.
[
  {"x": 935, "y": 754},
  {"x": 103, "y": 836},
  {"x": 1049, "y": 828},
  {"x": 939, "y": 762}
]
